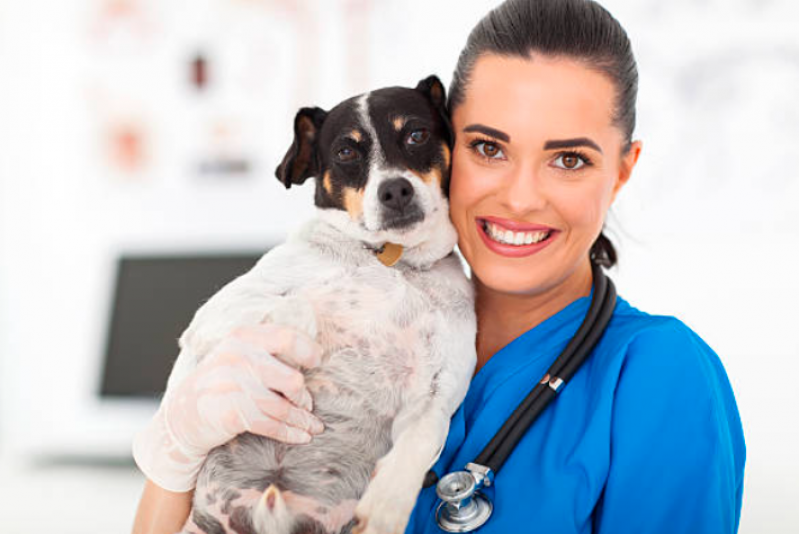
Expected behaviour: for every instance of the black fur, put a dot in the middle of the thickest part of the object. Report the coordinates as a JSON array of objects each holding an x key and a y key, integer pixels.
[
  {"x": 320, "y": 137},
  {"x": 207, "y": 522},
  {"x": 300, "y": 162}
]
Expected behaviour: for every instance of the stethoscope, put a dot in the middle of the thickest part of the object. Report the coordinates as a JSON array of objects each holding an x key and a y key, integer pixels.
[{"x": 463, "y": 507}]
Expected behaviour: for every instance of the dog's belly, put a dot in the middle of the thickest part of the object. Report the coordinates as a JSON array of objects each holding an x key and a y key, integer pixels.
[
  {"x": 375, "y": 342},
  {"x": 320, "y": 482}
]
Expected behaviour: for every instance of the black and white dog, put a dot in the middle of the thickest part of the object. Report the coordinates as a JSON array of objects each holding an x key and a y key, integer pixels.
[{"x": 373, "y": 278}]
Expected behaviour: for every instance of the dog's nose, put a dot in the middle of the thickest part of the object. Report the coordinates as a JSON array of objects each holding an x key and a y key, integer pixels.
[{"x": 395, "y": 193}]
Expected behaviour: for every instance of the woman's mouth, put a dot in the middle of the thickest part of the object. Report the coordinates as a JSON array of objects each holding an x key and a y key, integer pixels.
[{"x": 512, "y": 239}]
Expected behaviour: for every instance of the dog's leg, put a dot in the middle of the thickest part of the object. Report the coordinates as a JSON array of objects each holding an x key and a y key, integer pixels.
[
  {"x": 419, "y": 433},
  {"x": 389, "y": 499}
]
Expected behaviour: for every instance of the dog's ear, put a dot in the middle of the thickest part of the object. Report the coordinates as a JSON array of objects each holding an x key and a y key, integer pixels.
[
  {"x": 302, "y": 159},
  {"x": 434, "y": 90}
]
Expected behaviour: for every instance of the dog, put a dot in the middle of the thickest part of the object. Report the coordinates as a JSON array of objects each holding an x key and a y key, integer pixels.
[{"x": 374, "y": 280}]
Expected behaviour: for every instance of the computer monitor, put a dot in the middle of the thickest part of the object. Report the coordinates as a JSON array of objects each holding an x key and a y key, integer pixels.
[{"x": 155, "y": 298}]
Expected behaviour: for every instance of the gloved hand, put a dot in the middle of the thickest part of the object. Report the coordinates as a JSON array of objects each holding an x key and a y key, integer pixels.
[{"x": 239, "y": 387}]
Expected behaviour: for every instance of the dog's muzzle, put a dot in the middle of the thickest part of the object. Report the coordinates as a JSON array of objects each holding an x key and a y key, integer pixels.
[{"x": 399, "y": 209}]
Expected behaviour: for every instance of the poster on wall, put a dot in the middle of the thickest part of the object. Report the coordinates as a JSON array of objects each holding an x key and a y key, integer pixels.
[{"x": 193, "y": 93}]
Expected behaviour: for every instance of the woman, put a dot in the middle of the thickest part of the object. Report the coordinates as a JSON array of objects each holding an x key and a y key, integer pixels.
[{"x": 646, "y": 436}]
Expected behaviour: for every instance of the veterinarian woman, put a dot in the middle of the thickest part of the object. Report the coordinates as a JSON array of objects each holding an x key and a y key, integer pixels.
[{"x": 646, "y": 437}]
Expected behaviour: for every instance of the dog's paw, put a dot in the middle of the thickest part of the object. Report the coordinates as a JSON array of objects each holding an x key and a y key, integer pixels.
[
  {"x": 383, "y": 516},
  {"x": 386, "y": 505}
]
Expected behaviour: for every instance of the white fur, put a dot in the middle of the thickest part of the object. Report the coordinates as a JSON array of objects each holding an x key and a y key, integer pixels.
[
  {"x": 296, "y": 281},
  {"x": 416, "y": 321}
]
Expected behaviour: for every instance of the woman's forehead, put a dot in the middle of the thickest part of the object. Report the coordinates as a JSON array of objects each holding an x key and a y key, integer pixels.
[{"x": 540, "y": 96}]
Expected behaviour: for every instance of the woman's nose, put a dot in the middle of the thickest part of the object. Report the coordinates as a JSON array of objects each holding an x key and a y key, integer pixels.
[{"x": 524, "y": 191}]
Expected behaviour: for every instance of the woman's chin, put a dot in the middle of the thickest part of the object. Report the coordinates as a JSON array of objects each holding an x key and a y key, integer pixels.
[{"x": 506, "y": 279}]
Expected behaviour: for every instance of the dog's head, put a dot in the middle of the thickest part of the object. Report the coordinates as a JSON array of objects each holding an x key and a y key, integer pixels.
[{"x": 381, "y": 162}]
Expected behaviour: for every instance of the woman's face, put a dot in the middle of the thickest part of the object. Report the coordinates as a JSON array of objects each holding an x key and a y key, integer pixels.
[{"x": 536, "y": 165}]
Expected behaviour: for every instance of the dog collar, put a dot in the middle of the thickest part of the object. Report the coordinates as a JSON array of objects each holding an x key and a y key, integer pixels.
[{"x": 389, "y": 254}]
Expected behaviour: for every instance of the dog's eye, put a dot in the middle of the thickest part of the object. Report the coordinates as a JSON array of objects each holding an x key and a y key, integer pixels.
[
  {"x": 347, "y": 154},
  {"x": 417, "y": 137}
]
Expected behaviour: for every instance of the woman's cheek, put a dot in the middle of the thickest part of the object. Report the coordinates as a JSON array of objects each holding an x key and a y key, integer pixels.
[{"x": 586, "y": 210}]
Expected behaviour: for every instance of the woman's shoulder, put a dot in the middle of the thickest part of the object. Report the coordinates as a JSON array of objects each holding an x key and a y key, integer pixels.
[
  {"x": 661, "y": 352},
  {"x": 673, "y": 418},
  {"x": 650, "y": 335}
]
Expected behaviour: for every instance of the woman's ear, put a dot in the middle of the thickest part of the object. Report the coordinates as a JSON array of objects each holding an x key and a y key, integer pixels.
[
  {"x": 628, "y": 161},
  {"x": 302, "y": 158}
]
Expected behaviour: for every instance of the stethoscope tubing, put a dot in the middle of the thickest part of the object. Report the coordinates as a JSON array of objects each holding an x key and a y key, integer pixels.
[
  {"x": 578, "y": 349},
  {"x": 563, "y": 368}
]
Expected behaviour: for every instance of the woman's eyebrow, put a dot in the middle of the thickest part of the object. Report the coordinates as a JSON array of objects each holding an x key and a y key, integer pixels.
[
  {"x": 502, "y": 136},
  {"x": 569, "y": 143}
]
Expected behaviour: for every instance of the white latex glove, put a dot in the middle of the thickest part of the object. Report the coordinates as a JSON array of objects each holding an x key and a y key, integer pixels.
[{"x": 239, "y": 387}]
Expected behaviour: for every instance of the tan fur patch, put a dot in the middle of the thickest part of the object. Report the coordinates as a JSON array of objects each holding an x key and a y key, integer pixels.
[
  {"x": 327, "y": 184},
  {"x": 353, "y": 202},
  {"x": 355, "y": 134},
  {"x": 398, "y": 122},
  {"x": 434, "y": 174},
  {"x": 308, "y": 131},
  {"x": 437, "y": 92},
  {"x": 447, "y": 154}
]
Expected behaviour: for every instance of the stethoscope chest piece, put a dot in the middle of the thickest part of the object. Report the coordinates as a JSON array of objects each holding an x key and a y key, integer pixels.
[{"x": 462, "y": 507}]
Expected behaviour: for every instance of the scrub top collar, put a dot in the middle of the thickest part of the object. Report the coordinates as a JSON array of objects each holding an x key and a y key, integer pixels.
[{"x": 527, "y": 349}]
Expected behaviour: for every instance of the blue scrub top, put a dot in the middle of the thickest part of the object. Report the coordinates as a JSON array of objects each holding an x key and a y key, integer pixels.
[{"x": 645, "y": 438}]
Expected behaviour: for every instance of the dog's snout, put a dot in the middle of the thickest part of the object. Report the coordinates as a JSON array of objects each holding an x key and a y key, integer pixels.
[{"x": 395, "y": 193}]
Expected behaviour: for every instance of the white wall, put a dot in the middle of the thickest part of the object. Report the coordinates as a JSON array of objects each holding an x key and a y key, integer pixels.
[{"x": 708, "y": 228}]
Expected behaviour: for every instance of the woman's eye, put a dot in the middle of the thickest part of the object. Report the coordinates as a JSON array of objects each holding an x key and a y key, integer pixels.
[
  {"x": 417, "y": 137},
  {"x": 347, "y": 154},
  {"x": 570, "y": 161},
  {"x": 489, "y": 150}
]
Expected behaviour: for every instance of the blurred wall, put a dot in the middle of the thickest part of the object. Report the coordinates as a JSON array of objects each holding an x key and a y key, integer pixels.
[{"x": 144, "y": 125}]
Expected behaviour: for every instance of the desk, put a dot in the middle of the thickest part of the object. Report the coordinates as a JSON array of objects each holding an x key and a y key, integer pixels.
[{"x": 68, "y": 497}]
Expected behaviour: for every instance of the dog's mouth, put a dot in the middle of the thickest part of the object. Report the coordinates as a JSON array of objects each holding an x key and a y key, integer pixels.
[{"x": 403, "y": 221}]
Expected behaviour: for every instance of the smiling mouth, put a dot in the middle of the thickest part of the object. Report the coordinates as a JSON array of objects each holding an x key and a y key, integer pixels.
[{"x": 504, "y": 236}]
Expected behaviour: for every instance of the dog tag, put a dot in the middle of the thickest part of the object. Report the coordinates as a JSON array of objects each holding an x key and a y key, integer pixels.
[{"x": 390, "y": 254}]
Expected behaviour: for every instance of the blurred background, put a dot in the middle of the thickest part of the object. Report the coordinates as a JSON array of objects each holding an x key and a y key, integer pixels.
[{"x": 138, "y": 141}]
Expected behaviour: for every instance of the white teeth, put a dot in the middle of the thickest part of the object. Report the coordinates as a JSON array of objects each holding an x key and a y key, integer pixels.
[{"x": 507, "y": 237}]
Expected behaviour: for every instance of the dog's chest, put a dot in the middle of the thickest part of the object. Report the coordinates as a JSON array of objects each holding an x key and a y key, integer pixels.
[{"x": 376, "y": 326}]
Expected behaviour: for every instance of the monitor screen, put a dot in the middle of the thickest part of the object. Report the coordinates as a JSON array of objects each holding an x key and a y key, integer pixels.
[{"x": 155, "y": 298}]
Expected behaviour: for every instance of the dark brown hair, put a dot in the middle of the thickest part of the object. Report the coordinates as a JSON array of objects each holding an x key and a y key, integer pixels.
[{"x": 579, "y": 29}]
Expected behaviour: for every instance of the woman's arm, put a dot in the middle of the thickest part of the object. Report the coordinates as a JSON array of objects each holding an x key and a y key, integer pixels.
[
  {"x": 245, "y": 363},
  {"x": 241, "y": 386},
  {"x": 677, "y": 452},
  {"x": 161, "y": 511}
]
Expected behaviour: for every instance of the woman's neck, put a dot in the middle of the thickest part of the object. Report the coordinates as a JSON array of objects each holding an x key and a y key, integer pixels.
[{"x": 502, "y": 317}]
